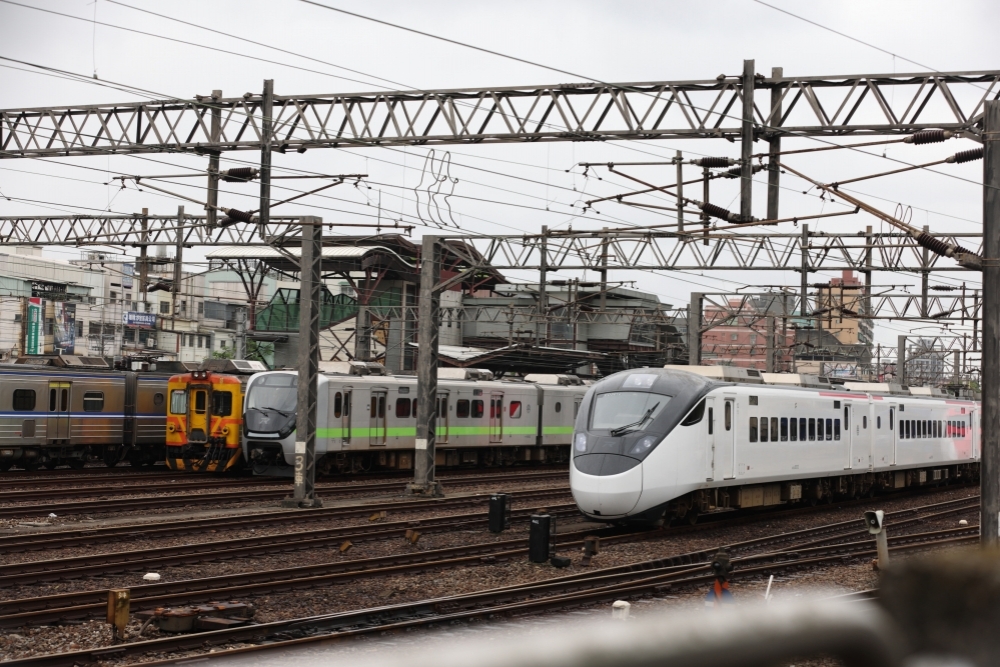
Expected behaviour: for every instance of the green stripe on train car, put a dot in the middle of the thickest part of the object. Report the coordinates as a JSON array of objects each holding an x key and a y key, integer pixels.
[
  {"x": 411, "y": 431},
  {"x": 557, "y": 430}
]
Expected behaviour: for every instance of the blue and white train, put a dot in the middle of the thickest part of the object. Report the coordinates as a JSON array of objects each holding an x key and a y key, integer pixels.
[{"x": 667, "y": 444}]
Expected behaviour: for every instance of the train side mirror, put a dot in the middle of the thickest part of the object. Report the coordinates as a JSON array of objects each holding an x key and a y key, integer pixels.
[{"x": 874, "y": 521}]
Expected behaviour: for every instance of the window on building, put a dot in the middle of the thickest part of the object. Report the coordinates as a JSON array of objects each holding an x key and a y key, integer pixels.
[
  {"x": 222, "y": 344},
  {"x": 148, "y": 307},
  {"x": 17, "y": 317},
  {"x": 92, "y": 300},
  {"x": 128, "y": 300},
  {"x": 79, "y": 327},
  {"x": 184, "y": 307},
  {"x": 143, "y": 336},
  {"x": 129, "y": 336},
  {"x": 24, "y": 400},
  {"x": 113, "y": 297},
  {"x": 164, "y": 307},
  {"x": 201, "y": 340},
  {"x": 48, "y": 326},
  {"x": 93, "y": 401},
  {"x": 733, "y": 337},
  {"x": 201, "y": 307}
]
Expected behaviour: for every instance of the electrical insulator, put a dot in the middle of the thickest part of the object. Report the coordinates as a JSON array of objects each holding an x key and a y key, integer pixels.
[
  {"x": 939, "y": 247},
  {"x": 237, "y": 216},
  {"x": 714, "y": 162},
  {"x": 719, "y": 212},
  {"x": 239, "y": 174},
  {"x": 736, "y": 172},
  {"x": 966, "y": 156},
  {"x": 928, "y": 136}
]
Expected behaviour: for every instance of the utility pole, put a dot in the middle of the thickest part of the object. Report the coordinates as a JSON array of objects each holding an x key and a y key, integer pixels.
[
  {"x": 774, "y": 147},
  {"x": 694, "y": 328},
  {"x": 604, "y": 272},
  {"x": 990, "y": 466},
  {"x": 706, "y": 179},
  {"x": 867, "y": 303},
  {"x": 267, "y": 114},
  {"x": 804, "y": 248},
  {"x": 310, "y": 275},
  {"x": 901, "y": 360},
  {"x": 769, "y": 366},
  {"x": 680, "y": 191},
  {"x": 427, "y": 364},
  {"x": 215, "y": 134},
  {"x": 144, "y": 258},
  {"x": 175, "y": 288},
  {"x": 746, "y": 145},
  {"x": 541, "y": 327},
  {"x": 925, "y": 278}
]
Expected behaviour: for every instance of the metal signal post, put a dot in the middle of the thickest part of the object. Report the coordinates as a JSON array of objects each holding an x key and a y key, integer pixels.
[{"x": 990, "y": 471}]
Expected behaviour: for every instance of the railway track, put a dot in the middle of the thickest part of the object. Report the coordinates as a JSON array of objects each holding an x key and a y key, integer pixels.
[
  {"x": 116, "y": 504},
  {"x": 650, "y": 577},
  {"x": 96, "y": 564},
  {"x": 76, "y": 605},
  {"x": 188, "y": 484}
]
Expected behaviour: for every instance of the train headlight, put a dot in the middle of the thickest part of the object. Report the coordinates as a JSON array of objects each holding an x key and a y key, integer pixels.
[
  {"x": 170, "y": 427},
  {"x": 580, "y": 442},
  {"x": 644, "y": 445}
]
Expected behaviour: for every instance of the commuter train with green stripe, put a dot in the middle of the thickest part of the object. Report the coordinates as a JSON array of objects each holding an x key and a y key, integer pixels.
[{"x": 367, "y": 419}]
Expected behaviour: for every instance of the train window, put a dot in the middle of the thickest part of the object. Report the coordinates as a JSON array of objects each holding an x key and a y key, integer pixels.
[
  {"x": 774, "y": 429},
  {"x": 222, "y": 403},
  {"x": 157, "y": 398},
  {"x": 64, "y": 400},
  {"x": 962, "y": 427},
  {"x": 784, "y": 429},
  {"x": 829, "y": 428},
  {"x": 477, "y": 409},
  {"x": 442, "y": 407},
  {"x": 52, "y": 400},
  {"x": 819, "y": 429},
  {"x": 414, "y": 413},
  {"x": 864, "y": 422},
  {"x": 812, "y": 428},
  {"x": 462, "y": 408},
  {"x": 93, "y": 401},
  {"x": 24, "y": 400},
  {"x": 402, "y": 408},
  {"x": 729, "y": 415},
  {"x": 695, "y": 415},
  {"x": 178, "y": 402},
  {"x": 558, "y": 406},
  {"x": 711, "y": 421},
  {"x": 381, "y": 406},
  {"x": 892, "y": 412},
  {"x": 515, "y": 409},
  {"x": 836, "y": 428},
  {"x": 802, "y": 429},
  {"x": 847, "y": 418},
  {"x": 338, "y": 404},
  {"x": 347, "y": 403},
  {"x": 753, "y": 429},
  {"x": 200, "y": 402},
  {"x": 878, "y": 421},
  {"x": 763, "y": 429}
]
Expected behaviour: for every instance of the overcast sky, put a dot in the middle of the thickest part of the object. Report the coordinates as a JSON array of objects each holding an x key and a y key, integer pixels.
[{"x": 604, "y": 41}]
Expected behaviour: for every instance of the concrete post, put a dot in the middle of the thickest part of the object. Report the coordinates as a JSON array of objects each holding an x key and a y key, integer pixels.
[
  {"x": 266, "y": 125},
  {"x": 746, "y": 142},
  {"x": 774, "y": 147},
  {"x": 215, "y": 135},
  {"x": 990, "y": 472},
  {"x": 901, "y": 360},
  {"x": 680, "y": 191},
  {"x": 428, "y": 306},
  {"x": 694, "y": 329}
]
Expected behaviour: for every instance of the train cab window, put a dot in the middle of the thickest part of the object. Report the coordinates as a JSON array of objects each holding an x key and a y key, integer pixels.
[
  {"x": 462, "y": 408},
  {"x": 222, "y": 403},
  {"x": 812, "y": 428},
  {"x": 695, "y": 415},
  {"x": 93, "y": 401},
  {"x": 784, "y": 429},
  {"x": 729, "y": 415},
  {"x": 24, "y": 400},
  {"x": 753, "y": 429},
  {"x": 477, "y": 409},
  {"x": 711, "y": 421},
  {"x": 558, "y": 406},
  {"x": 802, "y": 429},
  {"x": 178, "y": 402},
  {"x": 402, "y": 408},
  {"x": 157, "y": 399},
  {"x": 774, "y": 429},
  {"x": 836, "y": 428},
  {"x": 763, "y": 429},
  {"x": 200, "y": 402},
  {"x": 515, "y": 409},
  {"x": 338, "y": 405}
]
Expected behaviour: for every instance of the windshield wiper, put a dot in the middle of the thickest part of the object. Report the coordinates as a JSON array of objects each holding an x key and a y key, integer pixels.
[
  {"x": 280, "y": 412},
  {"x": 628, "y": 428}
]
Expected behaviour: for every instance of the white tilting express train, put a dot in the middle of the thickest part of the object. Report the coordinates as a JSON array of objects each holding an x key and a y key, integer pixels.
[
  {"x": 666, "y": 444},
  {"x": 367, "y": 419}
]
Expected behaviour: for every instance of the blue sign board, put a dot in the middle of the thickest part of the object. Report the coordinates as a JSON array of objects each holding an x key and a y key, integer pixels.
[{"x": 135, "y": 319}]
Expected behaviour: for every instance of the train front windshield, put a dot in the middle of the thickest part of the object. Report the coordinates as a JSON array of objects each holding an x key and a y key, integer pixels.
[
  {"x": 273, "y": 392},
  {"x": 620, "y": 410}
]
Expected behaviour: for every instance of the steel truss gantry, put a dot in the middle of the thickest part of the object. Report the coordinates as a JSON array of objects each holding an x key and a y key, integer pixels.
[{"x": 816, "y": 106}]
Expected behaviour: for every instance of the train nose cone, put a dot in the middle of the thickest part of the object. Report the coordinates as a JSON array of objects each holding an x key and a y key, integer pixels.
[{"x": 607, "y": 496}]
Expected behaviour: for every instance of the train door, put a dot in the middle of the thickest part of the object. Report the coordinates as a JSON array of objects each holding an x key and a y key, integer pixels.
[
  {"x": 726, "y": 441},
  {"x": 710, "y": 442},
  {"x": 198, "y": 414},
  {"x": 974, "y": 434},
  {"x": 441, "y": 419},
  {"x": 376, "y": 419},
  {"x": 893, "y": 430},
  {"x": 59, "y": 402},
  {"x": 342, "y": 412},
  {"x": 848, "y": 434},
  {"x": 496, "y": 417}
]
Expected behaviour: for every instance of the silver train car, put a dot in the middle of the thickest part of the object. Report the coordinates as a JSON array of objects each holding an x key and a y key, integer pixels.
[
  {"x": 369, "y": 421},
  {"x": 667, "y": 444},
  {"x": 52, "y": 416}
]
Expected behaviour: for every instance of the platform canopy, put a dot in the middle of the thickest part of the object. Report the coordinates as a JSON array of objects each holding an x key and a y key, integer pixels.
[{"x": 517, "y": 358}]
